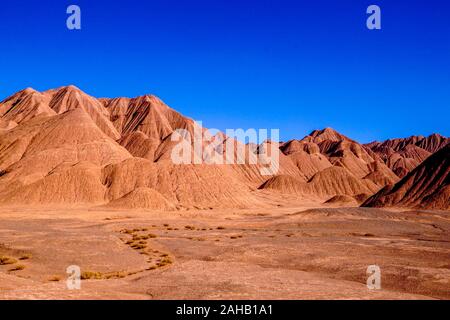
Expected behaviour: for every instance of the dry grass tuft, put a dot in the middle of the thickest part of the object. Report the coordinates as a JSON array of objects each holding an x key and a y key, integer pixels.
[
  {"x": 116, "y": 275},
  {"x": 26, "y": 256},
  {"x": 86, "y": 275},
  {"x": 165, "y": 261},
  {"x": 17, "y": 267},
  {"x": 139, "y": 246},
  {"x": 7, "y": 260},
  {"x": 127, "y": 231}
]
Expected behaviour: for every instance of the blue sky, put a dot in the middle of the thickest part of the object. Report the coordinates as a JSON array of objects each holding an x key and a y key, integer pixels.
[{"x": 293, "y": 65}]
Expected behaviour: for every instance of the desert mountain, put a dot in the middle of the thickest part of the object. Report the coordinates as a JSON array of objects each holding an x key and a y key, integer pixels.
[
  {"x": 327, "y": 148},
  {"x": 29, "y": 103},
  {"x": 330, "y": 182},
  {"x": 65, "y": 147},
  {"x": 332, "y": 165},
  {"x": 427, "y": 186},
  {"x": 34, "y": 148},
  {"x": 403, "y": 155}
]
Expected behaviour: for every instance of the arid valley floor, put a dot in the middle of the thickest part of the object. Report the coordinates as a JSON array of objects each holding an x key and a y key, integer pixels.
[{"x": 285, "y": 253}]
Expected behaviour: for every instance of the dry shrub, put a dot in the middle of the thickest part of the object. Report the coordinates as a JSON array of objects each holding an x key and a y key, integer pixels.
[
  {"x": 127, "y": 231},
  {"x": 138, "y": 246},
  {"x": 116, "y": 275},
  {"x": 17, "y": 267},
  {"x": 7, "y": 260},
  {"x": 86, "y": 275},
  {"x": 26, "y": 256},
  {"x": 165, "y": 261}
]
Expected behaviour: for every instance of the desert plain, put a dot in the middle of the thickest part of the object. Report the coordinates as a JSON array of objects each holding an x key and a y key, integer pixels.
[{"x": 290, "y": 252}]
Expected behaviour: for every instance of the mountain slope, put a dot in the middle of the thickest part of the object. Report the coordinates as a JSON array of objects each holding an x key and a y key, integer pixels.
[
  {"x": 403, "y": 155},
  {"x": 427, "y": 186}
]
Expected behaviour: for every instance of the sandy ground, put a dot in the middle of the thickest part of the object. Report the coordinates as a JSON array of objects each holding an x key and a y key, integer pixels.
[{"x": 283, "y": 253}]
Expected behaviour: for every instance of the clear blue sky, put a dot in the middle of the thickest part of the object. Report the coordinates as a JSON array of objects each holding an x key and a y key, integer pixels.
[{"x": 294, "y": 65}]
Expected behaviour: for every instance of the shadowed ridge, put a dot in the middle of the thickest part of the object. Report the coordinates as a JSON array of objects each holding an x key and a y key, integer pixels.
[
  {"x": 426, "y": 186},
  {"x": 402, "y": 155},
  {"x": 433, "y": 142}
]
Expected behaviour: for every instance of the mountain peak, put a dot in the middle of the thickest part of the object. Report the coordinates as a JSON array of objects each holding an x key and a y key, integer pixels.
[
  {"x": 326, "y": 134},
  {"x": 28, "y": 90},
  {"x": 435, "y": 135},
  {"x": 70, "y": 88}
]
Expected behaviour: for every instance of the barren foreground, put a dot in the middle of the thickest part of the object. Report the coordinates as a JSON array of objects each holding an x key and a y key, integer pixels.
[{"x": 284, "y": 253}]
